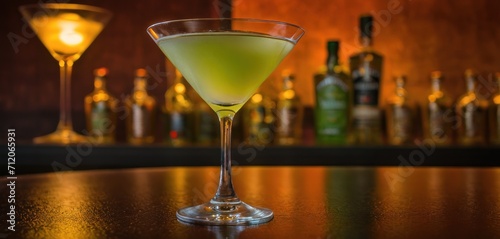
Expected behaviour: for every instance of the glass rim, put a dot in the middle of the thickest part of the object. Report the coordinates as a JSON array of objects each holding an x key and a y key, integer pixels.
[
  {"x": 72, "y": 6},
  {"x": 299, "y": 31},
  {"x": 229, "y": 19}
]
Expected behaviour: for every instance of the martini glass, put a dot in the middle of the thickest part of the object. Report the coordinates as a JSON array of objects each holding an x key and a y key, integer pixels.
[
  {"x": 66, "y": 30},
  {"x": 225, "y": 60}
]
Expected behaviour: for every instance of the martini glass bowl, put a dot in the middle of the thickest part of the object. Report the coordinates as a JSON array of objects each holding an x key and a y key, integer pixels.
[
  {"x": 225, "y": 61},
  {"x": 66, "y": 30}
]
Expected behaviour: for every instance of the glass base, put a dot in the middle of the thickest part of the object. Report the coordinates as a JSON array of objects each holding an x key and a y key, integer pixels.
[
  {"x": 64, "y": 136},
  {"x": 233, "y": 213}
]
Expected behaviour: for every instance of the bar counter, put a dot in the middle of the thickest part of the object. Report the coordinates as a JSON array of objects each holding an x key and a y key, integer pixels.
[{"x": 308, "y": 202}]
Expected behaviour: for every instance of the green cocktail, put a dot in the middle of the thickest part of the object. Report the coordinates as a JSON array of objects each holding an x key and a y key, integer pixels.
[
  {"x": 225, "y": 60},
  {"x": 225, "y": 68}
]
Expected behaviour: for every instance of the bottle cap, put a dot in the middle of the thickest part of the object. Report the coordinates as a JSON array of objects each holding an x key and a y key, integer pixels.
[
  {"x": 366, "y": 25},
  {"x": 333, "y": 46},
  {"x": 141, "y": 72},
  {"x": 436, "y": 75},
  {"x": 469, "y": 73},
  {"x": 101, "y": 72}
]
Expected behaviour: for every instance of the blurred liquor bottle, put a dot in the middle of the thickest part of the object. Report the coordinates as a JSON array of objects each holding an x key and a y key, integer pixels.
[
  {"x": 141, "y": 111},
  {"x": 258, "y": 120},
  {"x": 206, "y": 124},
  {"x": 289, "y": 113},
  {"x": 333, "y": 97},
  {"x": 438, "y": 113},
  {"x": 366, "y": 74},
  {"x": 471, "y": 112},
  {"x": 237, "y": 131},
  {"x": 178, "y": 113},
  {"x": 101, "y": 110},
  {"x": 399, "y": 115},
  {"x": 494, "y": 114}
]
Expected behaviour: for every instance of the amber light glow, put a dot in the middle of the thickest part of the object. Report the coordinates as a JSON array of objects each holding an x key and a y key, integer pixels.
[{"x": 68, "y": 34}]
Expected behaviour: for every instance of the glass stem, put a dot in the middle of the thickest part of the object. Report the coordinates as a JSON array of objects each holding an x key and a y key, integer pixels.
[
  {"x": 65, "y": 96},
  {"x": 225, "y": 192}
]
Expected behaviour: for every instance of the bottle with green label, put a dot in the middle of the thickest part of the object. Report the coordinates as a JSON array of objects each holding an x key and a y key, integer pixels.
[{"x": 332, "y": 106}]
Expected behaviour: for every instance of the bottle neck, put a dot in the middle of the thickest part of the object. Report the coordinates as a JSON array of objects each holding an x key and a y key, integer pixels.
[
  {"x": 331, "y": 61},
  {"x": 400, "y": 88},
  {"x": 366, "y": 43},
  {"x": 470, "y": 81},
  {"x": 140, "y": 84},
  {"x": 287, "y": 84},
  {"x": 179, "y": 88},
  {"x": 99, "y": 84},
  {"x": 436, "y": 85}
]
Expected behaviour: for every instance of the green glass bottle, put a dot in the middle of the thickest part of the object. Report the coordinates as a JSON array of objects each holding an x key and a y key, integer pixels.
[{"x": 332, "y": 106}]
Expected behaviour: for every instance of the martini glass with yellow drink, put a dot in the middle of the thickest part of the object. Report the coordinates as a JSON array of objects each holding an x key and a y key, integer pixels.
[
  {"x": 225, "y": 61},
  {"x": 66, "y": 30}
]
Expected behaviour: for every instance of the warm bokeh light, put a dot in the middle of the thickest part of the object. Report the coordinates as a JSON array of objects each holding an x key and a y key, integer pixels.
[
  {"x": 179, "y": 88},
  {"x": 289, "y": 94},
  {"x": 70, "y": 37},
  {"x": 68, "y": 23},
  {"x": 100, "y": 97},
  {"x": 257, "y": 98}
]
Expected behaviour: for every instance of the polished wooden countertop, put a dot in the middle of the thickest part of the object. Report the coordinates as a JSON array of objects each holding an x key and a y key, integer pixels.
[{"x": 308, "y": 202}]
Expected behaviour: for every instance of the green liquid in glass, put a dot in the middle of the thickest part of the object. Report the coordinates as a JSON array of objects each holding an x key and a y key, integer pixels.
[{"x": 225, "y": 68}]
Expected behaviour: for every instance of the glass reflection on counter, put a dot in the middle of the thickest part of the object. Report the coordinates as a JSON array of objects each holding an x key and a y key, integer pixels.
[{"x": 350, "y": 194}]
